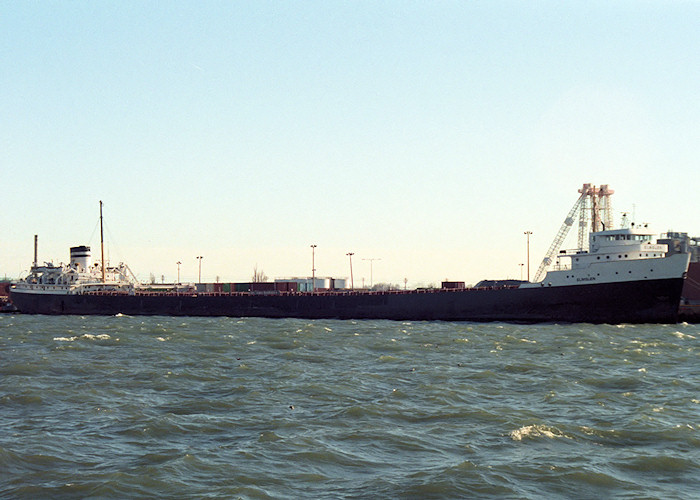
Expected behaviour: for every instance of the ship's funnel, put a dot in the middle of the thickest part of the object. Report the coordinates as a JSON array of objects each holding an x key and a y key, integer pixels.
[{"x": 80, "y": 256}]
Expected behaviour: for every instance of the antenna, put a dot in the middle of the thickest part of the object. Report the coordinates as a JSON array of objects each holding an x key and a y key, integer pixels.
[
  {"x": 36, "y": 246},
  {"x": 371, "y": 276},
  {"x": 102, "y": 244}
]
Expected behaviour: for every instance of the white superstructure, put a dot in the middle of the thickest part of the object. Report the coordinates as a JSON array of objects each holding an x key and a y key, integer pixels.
[
  {"x": 617, "y": 255},
  {"x": 80, "y": 276}
]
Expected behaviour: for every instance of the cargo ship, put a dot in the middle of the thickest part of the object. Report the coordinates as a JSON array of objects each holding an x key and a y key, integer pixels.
[
  {"x": 619, "y": 276},
  {"x": 689, "y": 309},
  {"x": 5, "y": 304}
]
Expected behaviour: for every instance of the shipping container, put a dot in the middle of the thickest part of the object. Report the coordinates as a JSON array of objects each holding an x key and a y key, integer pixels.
[
  {"x": 453, "y": 284},
  {"x": 339, "y": 283},
  {"x": 305, "y": 284},
  {"x": 286, "y": 286},
  {"x": 262, "y": 286}
]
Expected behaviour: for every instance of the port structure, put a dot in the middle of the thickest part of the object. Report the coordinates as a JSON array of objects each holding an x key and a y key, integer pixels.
[{"x": 594, "y": 209}]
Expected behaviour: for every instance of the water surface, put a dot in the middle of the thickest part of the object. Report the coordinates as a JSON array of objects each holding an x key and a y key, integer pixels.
[{"x": 125, "y": 407}]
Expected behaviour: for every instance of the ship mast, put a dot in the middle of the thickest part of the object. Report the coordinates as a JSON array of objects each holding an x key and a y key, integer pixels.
[
  {"x": 593, "y": 206},
  {"x": 36, "y": 246},
  {"x": 102, "y": 244}
]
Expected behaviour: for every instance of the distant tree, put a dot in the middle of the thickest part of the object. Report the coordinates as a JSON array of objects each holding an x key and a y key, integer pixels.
[
  {"x": 152, "y": 278},
  {"x": 258, "y": 276}
]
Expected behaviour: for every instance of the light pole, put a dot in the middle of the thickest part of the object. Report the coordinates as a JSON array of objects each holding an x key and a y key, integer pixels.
[
  {"x": 352, "y": 282},
  {"x": 178, "y": 271},
  {"x": 528, "y": 233},
  {"x": 199, "y": 258},
  {"x": 521, "y": 271},
  {"x": 371, "y": 276},
  {"x": 313, "y": 268}
]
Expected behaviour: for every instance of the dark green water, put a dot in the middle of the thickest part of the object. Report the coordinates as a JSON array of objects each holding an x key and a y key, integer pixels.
[{"x": 128, "y": 407}]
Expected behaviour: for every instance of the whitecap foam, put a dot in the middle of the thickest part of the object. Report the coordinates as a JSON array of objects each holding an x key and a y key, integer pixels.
[
  {"x": 535, "y": 431},
  {"x": 683, "y": 336},
  {"x": 90, "y": 336}
]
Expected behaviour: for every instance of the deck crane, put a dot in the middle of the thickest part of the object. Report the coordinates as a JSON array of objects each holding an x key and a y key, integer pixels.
[
  {"x": 593, "y": 200},
  {"x": 559, "y": 239}
]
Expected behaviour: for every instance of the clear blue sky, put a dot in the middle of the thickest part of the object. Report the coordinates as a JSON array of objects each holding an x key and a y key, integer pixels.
[{"x": 428, "y": 134}]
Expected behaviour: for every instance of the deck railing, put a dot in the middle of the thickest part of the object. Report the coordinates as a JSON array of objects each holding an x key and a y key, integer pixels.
[{"x": 144, "y": 293}]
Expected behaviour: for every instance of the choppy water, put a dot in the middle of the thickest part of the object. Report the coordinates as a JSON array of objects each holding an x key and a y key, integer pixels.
[{"x": 125, "y": 407}]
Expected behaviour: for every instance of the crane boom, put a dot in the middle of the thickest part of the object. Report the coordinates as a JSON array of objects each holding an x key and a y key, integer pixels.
[{"x": 561, "y": 235}]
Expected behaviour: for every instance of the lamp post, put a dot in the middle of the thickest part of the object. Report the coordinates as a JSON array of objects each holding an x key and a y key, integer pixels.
[
  {"x": 313, "y": 268},
  {"x": 521, "y": 271},
  {"x": 371, "y": 276},
  {"x": 199, "y": 258},
  {"x": 528, "y": 233},
  {"x": 352, "y": 282},
  {"x": 178, "y": 271}
]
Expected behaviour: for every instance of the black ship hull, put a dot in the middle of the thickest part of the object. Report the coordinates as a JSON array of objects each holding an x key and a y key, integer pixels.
[
  {"x": 646, "y": 301},
  {"x": 690, "y": 296}
]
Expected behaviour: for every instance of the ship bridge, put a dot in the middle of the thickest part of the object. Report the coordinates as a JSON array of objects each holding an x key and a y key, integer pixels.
[{"x": 614, "y": 244}]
